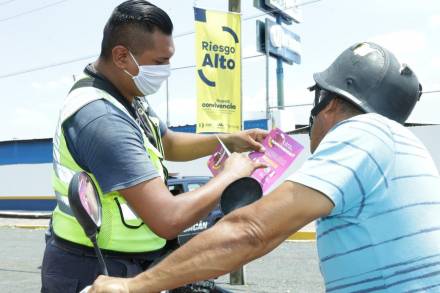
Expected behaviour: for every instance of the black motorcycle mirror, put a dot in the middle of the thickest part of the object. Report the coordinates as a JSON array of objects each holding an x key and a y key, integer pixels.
[
  {"x": 86, "y": 206},
  {"x": 240, "y": 193}
]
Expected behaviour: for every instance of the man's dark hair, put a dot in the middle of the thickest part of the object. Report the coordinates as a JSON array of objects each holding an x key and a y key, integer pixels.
[{"x": 129, "y": 22}]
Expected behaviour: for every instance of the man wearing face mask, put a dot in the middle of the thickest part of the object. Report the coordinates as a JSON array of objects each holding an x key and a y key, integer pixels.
[
  {"x": 107, "y": 129},
  {"x": 370, "y": 183}
]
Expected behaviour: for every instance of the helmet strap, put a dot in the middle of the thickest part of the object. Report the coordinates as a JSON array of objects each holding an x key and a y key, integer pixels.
[{"x": 322, "y": 99}]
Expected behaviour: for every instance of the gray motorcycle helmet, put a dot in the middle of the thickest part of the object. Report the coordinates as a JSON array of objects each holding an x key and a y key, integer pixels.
[{"x": 372, "y": 78}]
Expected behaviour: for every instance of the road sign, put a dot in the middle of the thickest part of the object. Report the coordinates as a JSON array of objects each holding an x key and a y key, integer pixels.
[
  {"x": 288, "y": 9},
  {"x": 279, "y": 41}
]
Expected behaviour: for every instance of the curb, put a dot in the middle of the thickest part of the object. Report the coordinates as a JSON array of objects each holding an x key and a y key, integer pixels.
[
  {"x": 300, "y": 235},
  {"x": 25, "y": 215},
  {"x": 25, "y": 226},
  {"x": 31, "y": 227}
]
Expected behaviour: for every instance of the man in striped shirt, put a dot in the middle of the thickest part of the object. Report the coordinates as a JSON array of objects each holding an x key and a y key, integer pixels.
[{"x": 372, "y": 186}]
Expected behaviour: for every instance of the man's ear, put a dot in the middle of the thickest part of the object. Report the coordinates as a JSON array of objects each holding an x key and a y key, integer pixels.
[
  {"x": 331, "y": 107},
  {"x": 120, "y": 57},
  {"x": 331, "y": 112}
]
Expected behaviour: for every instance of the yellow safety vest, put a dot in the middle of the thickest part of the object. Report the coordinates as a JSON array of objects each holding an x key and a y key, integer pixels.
[{"x": 121, "y": 230}]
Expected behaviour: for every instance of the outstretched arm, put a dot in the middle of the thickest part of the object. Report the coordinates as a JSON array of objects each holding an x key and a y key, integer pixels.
[
  {"x": 239, "y": 238},
  {"x": 189, "y": 146},
  {"x": 168, "y": 215}
]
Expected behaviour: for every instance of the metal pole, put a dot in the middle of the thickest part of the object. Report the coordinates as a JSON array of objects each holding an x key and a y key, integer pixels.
[
  {"x": 267, "y": 86},
  {"x": 292, "y": 106},
  {"x": 431, "y": 92},
  {"x": 237, "y": 277},
  {"x": 234, "y": 5},
  {"x": 280, "y": 75},
  {"x": 168, "y": 103}
]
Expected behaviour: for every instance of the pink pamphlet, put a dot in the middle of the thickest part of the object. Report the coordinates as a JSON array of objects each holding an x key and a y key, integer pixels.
[
  {"x": 217, "y": 160},
  {"x": 281, "y": 151}
]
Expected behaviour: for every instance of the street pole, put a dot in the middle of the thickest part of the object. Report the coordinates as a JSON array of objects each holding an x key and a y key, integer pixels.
[
  {"x": 168, "y": 103},
  {"x": 280, "y": 75},
  {"x": 235, "y": 6},
  {"x": 267, "y": 85},
  {"x": 237, "y": 277}
]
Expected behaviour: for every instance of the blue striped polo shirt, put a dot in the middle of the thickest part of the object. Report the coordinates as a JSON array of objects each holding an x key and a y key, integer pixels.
[{"x": 383, "y": 234}]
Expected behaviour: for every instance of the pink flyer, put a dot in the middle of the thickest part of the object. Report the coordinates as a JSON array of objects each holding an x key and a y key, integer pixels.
[{"x": 281, "y": 151}]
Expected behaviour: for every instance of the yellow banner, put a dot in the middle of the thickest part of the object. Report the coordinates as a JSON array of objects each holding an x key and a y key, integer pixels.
[{"x": 218, "y": 71}]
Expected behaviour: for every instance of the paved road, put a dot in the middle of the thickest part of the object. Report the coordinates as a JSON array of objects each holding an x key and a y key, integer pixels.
[
  {"x": 290, "y": 268},
  {"x": 20, "y": 254}
]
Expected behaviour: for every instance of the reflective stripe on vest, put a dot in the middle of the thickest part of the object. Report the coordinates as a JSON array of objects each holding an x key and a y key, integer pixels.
[{"x": 121, "y": 230}]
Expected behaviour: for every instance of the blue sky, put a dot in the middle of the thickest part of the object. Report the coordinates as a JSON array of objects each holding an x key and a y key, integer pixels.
[{"x": 63, "y": 30}]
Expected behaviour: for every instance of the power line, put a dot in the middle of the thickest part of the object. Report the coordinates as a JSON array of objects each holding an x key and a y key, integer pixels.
[
  {"x": 30, "y": 11},
  {"x": 253, "y": 56},
  {"x": 91, "y": 56},
  {"x": 20, "y": 72},
  {"x": 307, "y": 3},
  {"x": 183, "y": 34},
  {"x": 193, "y": 66},
  {"x": 47, "y": 66},
  {"x": 291, "y": 106},
  {"x": 276, "y": 9},
  {"x": 187, "y": 33},
  {"x": 431, "y": 92},
  {"x": 6, "y": 2}
]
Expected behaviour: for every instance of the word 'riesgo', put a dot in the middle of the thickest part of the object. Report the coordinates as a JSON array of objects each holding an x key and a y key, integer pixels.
[
  {"x": 208, "y": 46},
  {"x": 218, "y": 60}
]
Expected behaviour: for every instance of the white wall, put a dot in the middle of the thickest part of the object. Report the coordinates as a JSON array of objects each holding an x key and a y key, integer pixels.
[{"x": 26, "y": 180}]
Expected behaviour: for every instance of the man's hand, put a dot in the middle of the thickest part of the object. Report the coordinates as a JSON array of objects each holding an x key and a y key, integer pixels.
[
  {"x": 249, "y": 140},
  {"x": 104, "y": 284},
  {"x": 240, "y": 165},
  {"x": 181, "y": 146}
]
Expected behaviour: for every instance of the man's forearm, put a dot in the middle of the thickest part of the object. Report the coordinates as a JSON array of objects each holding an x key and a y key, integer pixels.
[
  {"x": 225, "y": 247},
  {"x": 188, "y": 146}
]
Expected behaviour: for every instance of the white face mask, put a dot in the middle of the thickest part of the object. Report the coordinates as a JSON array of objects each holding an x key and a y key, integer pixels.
[{"x": 150, "y": 77}]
